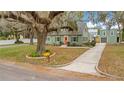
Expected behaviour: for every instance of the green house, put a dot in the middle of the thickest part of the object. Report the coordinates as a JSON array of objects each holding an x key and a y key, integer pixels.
[
  {"x": 109, "y": 36},
  {"x": 65, "y": 37}
]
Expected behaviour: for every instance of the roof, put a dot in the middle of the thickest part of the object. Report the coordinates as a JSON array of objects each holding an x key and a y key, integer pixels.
[{"x": 65, "y": 32}]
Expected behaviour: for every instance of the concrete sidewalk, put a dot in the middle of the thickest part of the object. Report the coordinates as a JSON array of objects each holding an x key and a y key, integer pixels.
[{"x": 86, "y": 62}]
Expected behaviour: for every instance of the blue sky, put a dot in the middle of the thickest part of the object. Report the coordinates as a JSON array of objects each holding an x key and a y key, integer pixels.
[
  {"x": 86, "y": 19},
  {"x": 86, "y": 16}
]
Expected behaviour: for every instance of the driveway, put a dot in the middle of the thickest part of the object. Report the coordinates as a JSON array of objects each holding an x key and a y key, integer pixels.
[{"x": 86, "y": 62}]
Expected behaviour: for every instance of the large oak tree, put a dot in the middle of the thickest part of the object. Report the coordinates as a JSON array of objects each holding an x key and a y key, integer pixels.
[{"x": 42, "y": 22}]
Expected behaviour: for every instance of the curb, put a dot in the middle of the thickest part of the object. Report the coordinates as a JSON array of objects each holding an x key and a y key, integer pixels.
[
  {"x": 76, "y": 47},
  {"x": 106, "y": 74},
  {"x": 57, "y": 66}
]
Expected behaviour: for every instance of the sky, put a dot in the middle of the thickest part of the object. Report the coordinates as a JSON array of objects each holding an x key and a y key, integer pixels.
[{"x": 86, "y": 19}]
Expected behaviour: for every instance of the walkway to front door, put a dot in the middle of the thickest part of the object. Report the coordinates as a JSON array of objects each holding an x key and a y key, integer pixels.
[{"x": 86, "y": 62}]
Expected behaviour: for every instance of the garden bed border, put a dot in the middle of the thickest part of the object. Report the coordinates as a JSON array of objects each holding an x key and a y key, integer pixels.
[{"x": 28, "y": 57}]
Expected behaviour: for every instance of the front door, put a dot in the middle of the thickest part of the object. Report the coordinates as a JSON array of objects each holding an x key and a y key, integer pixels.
[
  {"x": 65, "y": 40},
  {"x": 117, "y": 39}
]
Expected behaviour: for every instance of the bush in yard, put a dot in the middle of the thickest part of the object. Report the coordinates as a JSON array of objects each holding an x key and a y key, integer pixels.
[
  {"x": 61, "y": 43},
  {"x": 47, "y": 54},
  {"x": 93, "y": 42},
  {"x": 68, "y": 43},
  {"x": 3, "y": 38},
  {"x": 87, "y": 44},
  {"x": 34, "y": 54},
  {"x": 74, "y": 44},
  {"x": 19, "y": 42},
  {"x": 47, "y": 50}
]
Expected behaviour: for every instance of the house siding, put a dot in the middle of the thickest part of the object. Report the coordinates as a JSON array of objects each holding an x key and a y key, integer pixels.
[
  {"x": 52, "y": 40},
  {"x": 110, "y": 35},
  {"x": 82, "y": 35}
]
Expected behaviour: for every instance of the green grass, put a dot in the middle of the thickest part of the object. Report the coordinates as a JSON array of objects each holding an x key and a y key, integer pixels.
[{"x": 18, "y": 54}]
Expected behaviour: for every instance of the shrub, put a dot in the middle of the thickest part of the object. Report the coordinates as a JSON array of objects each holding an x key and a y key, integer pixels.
[
  {"x": 46, "y": 53},
  {"x": 87, "y": 43},
  {"x": 47, "y": 50},
  {"x": 68, "y": 43},
  {"x": 19, "y": 42},
  {"x": 61, "y": 43},
  {"x": 3, "y": 38},
  {"x": 34, "y": 54},
  {"x": 74, "y": 44},
  {"x": 93, "y": 42}
]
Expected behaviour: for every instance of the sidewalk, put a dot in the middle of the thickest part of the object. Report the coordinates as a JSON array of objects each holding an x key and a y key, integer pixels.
[{"x": 86, "y": 62}]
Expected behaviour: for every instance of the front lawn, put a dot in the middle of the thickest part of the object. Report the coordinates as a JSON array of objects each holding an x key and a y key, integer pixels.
[
  {"x": 18, "y": 54},
  {"x": 112, "y": 60}
]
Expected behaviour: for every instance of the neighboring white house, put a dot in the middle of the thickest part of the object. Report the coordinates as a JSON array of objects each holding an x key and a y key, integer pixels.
[{"x": 93, "y": 33}]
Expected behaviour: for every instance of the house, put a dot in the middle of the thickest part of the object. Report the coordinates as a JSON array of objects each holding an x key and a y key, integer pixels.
[
  {"x": 64, "y": 36},
  {"x": 109, "y": 36},
  {"x": 93, "y": 33}
]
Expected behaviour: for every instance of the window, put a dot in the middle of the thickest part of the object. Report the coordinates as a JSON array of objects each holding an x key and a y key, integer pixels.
[
  {"x": 104, "y": 33},
  {"x": 98, "y": 32},
  {"x": 48, "y": 39},
  {"x": 112, "y": 33},
  {"x": 75, "y": 39},
  {"x": 58, "y": 38}
]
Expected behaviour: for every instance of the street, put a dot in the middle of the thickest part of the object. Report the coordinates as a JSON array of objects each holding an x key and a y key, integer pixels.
[
  {"x": 7, "y": 42},
  {"x": 13, "y": 72}
]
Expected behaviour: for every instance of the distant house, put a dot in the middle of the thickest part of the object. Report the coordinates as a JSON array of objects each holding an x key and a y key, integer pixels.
[
  {"x": 93, "y": 33},
  {"x": 66, "y": 37},
  {"x": 109, "y": 36}
]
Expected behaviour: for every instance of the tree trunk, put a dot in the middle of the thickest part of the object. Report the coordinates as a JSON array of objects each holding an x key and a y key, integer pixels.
[
  {"x": 31, "y": 38},
  {"x": 120, "y": 32},
  {"x": 17, "y": 37},
  {"x": 41, "y": 39}
]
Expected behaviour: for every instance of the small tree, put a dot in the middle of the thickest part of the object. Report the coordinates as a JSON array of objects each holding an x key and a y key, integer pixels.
[
  {"x": 31, "y": 33},
  {"x": 16, "y": 29}
]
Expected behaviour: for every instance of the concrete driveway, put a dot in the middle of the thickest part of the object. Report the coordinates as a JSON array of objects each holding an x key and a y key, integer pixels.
[{"x": 86, "y": 62}]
